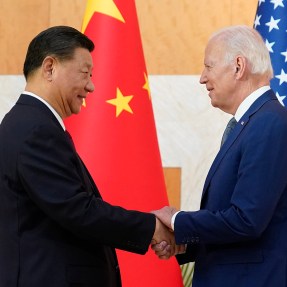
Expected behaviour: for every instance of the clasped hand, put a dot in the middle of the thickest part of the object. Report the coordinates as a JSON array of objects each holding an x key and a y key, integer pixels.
[{"x": 163, "y": 242}]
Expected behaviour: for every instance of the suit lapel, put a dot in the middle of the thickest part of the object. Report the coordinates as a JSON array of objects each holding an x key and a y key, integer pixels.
[
  {"x": 85, "y": 173},
  {"x": 267, "y": 96},
  {"x": 31, "y": 101}
]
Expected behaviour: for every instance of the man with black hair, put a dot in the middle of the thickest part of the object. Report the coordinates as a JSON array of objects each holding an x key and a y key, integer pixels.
[{"x": 55, "y": 229}]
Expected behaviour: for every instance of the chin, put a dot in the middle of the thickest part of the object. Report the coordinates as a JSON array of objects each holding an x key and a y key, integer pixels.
[
  {"x": 213, "y": 103},
  {"x": 78, "y": 110}
]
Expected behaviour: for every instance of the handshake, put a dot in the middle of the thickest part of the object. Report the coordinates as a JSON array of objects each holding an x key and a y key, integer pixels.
[{"x": 163, "y": 241}]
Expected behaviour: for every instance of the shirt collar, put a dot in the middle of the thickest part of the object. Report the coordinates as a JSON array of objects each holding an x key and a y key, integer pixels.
[
  {"x": 246, "y": 104},
  {"x": 60, "y": 120}
]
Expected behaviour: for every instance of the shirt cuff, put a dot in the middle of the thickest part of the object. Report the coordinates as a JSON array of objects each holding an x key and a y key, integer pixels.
[{"x": 173, "y": 220}]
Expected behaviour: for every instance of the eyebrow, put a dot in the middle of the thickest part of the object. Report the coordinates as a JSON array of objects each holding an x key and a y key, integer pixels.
[{"x": 87, "y": 65}]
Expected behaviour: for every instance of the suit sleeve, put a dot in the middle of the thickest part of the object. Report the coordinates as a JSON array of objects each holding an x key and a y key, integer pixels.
[
  {"x": 49, "y": 170},
  {"x": 254, "y": 193}
]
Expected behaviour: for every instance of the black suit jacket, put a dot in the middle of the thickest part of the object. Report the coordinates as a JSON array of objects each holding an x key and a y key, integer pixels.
[{"x": 55, "y": 230}]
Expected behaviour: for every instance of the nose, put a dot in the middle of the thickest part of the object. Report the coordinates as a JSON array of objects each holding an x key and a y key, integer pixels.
[
  {"x": 203, "y": 78},
  {"x": 90, "y": 86}
]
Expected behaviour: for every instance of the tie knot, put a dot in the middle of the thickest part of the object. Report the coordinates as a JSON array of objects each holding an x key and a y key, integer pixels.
[{"x": 230, "y": 126}]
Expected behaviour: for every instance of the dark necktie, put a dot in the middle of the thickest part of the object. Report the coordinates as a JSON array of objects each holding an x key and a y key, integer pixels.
[{"x": 230, "y": 126}]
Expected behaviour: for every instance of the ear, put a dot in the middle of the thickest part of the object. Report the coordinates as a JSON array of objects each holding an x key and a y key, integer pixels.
[
  {"x": 48, "y": 66},
  {"x": 240, "y": 66}
]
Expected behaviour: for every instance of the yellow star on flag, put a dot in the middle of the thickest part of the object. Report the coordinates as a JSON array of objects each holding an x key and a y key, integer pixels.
[
  {"x": 107, "y": 7},
  {"x": 121, "y": 102},
  {"x": 146, "y": 85}
]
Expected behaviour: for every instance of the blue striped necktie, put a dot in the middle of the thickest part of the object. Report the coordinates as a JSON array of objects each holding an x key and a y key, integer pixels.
[{"x": 230, "y": 126}]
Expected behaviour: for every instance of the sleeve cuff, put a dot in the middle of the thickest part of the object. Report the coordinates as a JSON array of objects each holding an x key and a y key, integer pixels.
[{"x": 173, "y": 220}]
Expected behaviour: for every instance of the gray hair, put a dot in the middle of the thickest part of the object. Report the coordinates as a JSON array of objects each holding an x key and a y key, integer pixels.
[{"x": 247, "y": 42}]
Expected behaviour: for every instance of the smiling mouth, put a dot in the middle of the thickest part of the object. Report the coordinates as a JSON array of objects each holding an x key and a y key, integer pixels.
[
  {"x": 82, "y": 98},
  {"x": 209, "y": 91}
]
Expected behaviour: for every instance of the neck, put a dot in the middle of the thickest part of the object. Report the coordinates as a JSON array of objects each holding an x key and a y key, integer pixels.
[{"x": 247, "y": 87}]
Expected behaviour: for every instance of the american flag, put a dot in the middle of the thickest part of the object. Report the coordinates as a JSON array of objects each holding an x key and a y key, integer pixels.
[{"x": 271, "y": 23}]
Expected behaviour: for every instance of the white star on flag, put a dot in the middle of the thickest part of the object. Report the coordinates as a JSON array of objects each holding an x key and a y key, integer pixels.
[
  {"x": 257, "y": 20},
  {"x": 269, "y": 45},
  {"x": 282, "y": 77},
  {"x": 280, "y": 99},
  {"x": 277, "y": 3},
  {"x": 273, "y": 24},
  {"x": 285, "y": 55}
]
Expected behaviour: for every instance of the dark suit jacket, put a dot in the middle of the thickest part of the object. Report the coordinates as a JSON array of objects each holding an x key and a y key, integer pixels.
[
  {"x": 55, "y": 230},
  {"x": 239, "y": 237}
]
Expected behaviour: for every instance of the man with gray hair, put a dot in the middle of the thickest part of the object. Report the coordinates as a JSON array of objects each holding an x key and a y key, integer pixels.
[{"x": 238, "y": 237}]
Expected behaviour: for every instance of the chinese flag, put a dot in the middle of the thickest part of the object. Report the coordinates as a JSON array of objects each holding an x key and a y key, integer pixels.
[{"x": 115, "y": 133}]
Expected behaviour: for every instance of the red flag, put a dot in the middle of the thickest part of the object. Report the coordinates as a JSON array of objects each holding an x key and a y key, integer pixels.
[{"x": 115, "y": 133}]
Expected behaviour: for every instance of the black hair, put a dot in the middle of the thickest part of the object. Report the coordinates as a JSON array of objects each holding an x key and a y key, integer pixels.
[{"x": 58, "y": 41}]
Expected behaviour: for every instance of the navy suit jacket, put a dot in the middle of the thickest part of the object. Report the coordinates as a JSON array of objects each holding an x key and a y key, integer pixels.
[
  {"x": 239, "y": 235},
  {"x": 55, "y": 230}
]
